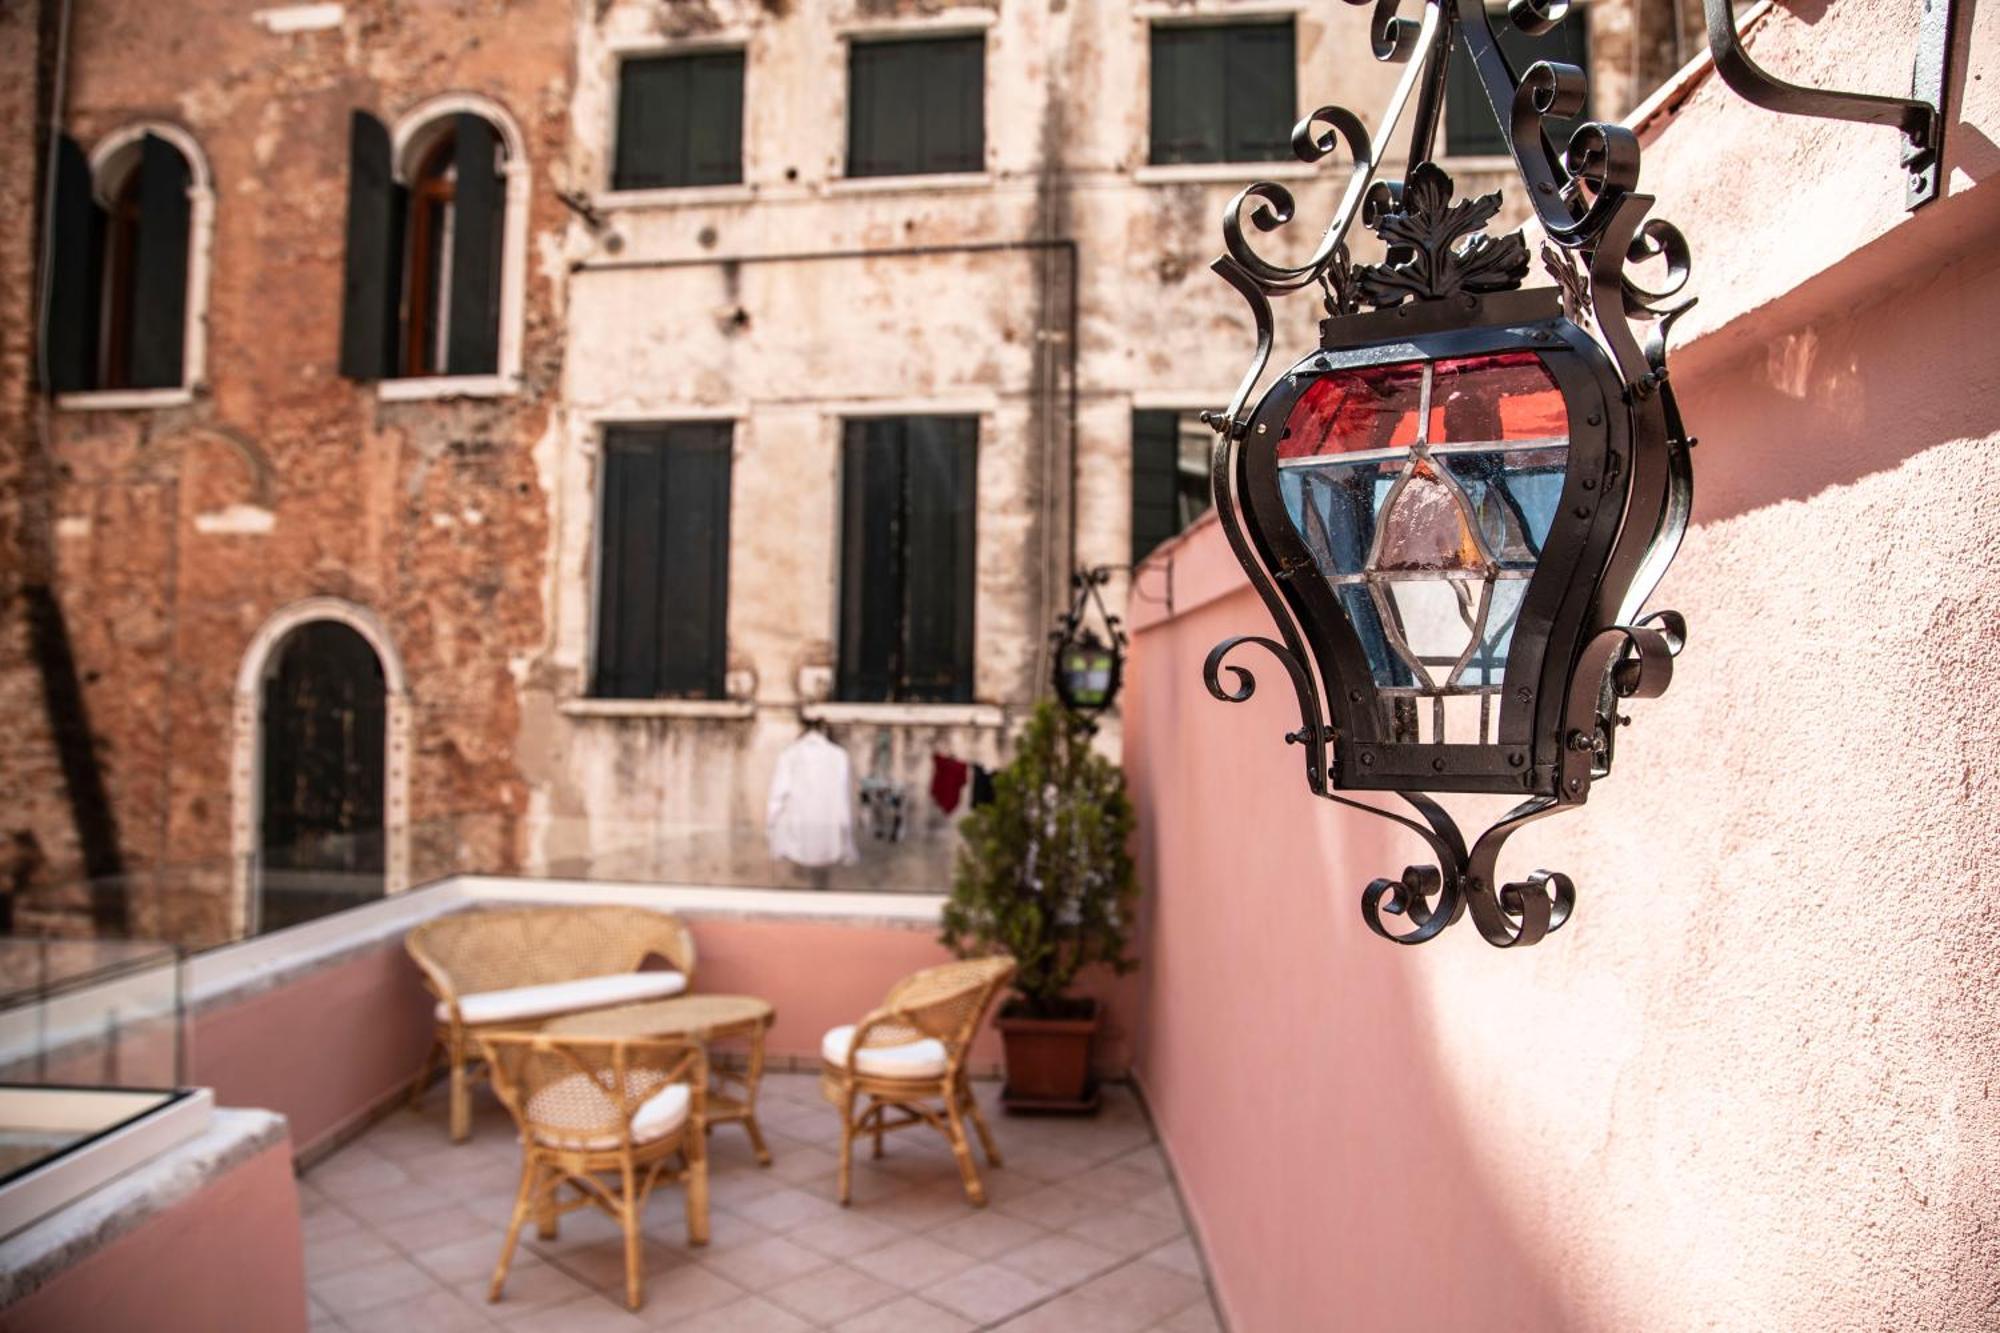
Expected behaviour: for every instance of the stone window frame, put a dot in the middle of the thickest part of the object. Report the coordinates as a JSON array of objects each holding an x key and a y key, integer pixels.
[
  {"x": 410, "y": 135},
  {"x": 246, "y": 767},
  {"x": 113, "y": 151},
  {"x": 619, "y": 48}
]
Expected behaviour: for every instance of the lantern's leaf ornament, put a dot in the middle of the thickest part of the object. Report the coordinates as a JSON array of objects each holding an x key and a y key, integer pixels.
[
  {"x": 1427, "y": 229},
  {"x": 1455, "y": 509}
]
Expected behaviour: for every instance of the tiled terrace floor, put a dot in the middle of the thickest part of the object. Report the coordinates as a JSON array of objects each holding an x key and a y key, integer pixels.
[{"x": 1083, "y": 1234}]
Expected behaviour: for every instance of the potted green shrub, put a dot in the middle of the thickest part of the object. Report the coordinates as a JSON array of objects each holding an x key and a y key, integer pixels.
[{"x": 1045, "y": 875}]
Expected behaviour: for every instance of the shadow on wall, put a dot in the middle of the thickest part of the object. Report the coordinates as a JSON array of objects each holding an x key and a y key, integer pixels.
[
  {"x": 1286, "y": 1053},
  {"x": 1857, "y": 384}
]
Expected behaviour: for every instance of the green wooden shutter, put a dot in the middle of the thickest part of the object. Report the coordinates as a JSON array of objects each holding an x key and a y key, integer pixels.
[
  {"x": 1187, "y": 95},
  {"x": 75, "y": 269},
  {"x": 370, "y": 317},
  {"x": 652, "y": 111},
  {"x": 1469, "y": 127},
  {"x": 714, "y": 126},
  {"x": 871, "y": 559},
  {"x": 1258, "y": 85},
  {"x": 160, "y": 268},
  {"x": 940, "y": 493},
  {"x": 952, "y": 75},
  {"x": 694, "y": 562},
  {"x": 628, "y": 564},
  {"x": 479, "y": 220},
  {"x": 1155, "y": 480}
]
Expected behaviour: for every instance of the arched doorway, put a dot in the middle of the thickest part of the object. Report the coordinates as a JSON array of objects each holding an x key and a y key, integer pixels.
[{"x": 322, "y": 798}]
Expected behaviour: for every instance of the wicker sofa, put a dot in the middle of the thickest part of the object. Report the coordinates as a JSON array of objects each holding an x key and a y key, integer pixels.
[{"x": 515, "y": 968}]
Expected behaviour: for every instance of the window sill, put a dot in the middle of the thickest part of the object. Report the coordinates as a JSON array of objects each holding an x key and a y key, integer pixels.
[
  {"x": 907, "y": 715},
  {"x": 1180, "y": 12},
  {"x": 123, "y": 400},
  {"x": 1477, "y": 162},
  {"x": 924, "y": 183},
  {"x": 447, "y": 386},
  {"x": 724, "y": 709},
  {"x": 1223, "y": 173},
  {"x": 678, "y": 196}
]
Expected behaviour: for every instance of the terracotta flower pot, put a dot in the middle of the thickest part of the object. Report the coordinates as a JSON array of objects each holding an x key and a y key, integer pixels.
[{"x": 1048, "y": 1060}]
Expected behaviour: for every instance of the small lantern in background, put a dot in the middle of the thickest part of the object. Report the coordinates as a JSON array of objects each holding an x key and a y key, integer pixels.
[{"x": 1088, "y": 667}]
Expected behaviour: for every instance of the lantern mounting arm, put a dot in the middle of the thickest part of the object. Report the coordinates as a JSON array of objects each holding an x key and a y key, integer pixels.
[{"x": 1920, "y": 116}]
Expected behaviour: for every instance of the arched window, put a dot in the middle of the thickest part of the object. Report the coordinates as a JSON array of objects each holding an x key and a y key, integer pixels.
[
  {"x": 433, "y": 237},
  {"x": 131, "y": 221}
]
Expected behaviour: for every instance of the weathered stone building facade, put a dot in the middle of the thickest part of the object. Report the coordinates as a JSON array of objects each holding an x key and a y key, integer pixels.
[{"x": 1048, "y": 285}]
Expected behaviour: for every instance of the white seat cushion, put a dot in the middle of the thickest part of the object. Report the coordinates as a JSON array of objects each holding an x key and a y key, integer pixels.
[
  {"x": 925, "y": 1058},
  {"x": 563, "y": 997},
  {"x": 577, "y": 1100}
]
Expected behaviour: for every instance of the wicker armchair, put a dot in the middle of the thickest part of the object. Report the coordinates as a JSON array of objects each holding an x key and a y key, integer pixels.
[
  {"x": 513, "y": 969},
  {"x": 910, "y": 1053},
  {"x": 611, "y": 1118}
]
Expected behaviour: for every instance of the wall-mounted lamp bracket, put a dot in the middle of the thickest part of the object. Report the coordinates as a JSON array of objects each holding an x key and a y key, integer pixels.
[{"x": 1919, "y": 116}]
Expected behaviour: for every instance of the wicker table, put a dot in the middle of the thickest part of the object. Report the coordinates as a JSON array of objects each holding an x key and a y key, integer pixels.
[{"x": 705, "y": 1018}]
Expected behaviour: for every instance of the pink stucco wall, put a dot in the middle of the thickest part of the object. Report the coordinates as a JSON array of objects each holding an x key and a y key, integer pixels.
[
  {"x": 229, "y": 1256},
  {"x": 1752, "y": 1085},
  {"x": 325, "y": 1048}
]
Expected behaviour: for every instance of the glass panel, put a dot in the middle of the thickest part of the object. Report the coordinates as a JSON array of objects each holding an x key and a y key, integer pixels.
[
  {"x": 1508, "y": 396},
  {"x": 1425, "y": 493},
  {"x": 1426, "y": 527},
  {"x": 1356, "y": 411}
]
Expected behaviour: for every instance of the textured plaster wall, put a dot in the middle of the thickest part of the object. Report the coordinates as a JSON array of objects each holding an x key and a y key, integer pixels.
[
  {"x": 724, "y": 302},
  {"x": 1752, "y": 1084}
]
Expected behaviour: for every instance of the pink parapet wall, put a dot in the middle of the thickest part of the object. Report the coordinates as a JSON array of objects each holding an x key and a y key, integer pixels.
[
  {"x": 1751, "y": 1084},
  {"x": 821, "y": 974},
  {"x": 335, "y": 1044},
  {"x": 325, "y": 1049},
  {"x": 227, "y": 1257}
]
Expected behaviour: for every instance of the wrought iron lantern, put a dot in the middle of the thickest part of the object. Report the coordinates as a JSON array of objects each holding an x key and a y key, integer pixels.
[
  {"x": 1088, "y": 668},
  {"x": 1456, "y": 507}
]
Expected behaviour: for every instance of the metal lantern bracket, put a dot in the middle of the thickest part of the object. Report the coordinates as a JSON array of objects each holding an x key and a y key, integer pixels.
[{"x": 1919, "y": 116}]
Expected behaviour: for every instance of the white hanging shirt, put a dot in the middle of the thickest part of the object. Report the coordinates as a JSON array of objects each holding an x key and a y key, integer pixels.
[{"x": 810, "y": 818}]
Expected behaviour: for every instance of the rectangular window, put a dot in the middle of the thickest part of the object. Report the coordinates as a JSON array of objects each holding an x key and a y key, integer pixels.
[
  {"x": 916, "y": 106},
  {"x": 680, "y": 121},
  {"x": 1469, "y": 127},
  {"x": 1170, "y": 490},
  {"x": 1223, "y": 92},
  {"x": 906, "y": 559},
  {"x": 663, "y": 562}
]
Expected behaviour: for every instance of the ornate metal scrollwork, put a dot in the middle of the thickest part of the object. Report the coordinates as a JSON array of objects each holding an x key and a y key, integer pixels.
[{"x": 1584, "y": 195}]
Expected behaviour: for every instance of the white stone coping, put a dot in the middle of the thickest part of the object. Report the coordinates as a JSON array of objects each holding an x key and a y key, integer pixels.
[
  {"x": 231, "y": 973},
  {"x": 58, "y": 1242}
]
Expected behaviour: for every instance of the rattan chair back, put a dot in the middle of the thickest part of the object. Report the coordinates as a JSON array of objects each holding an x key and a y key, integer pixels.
[
  {"x": 569, "y": 1091},
  {"x": 498, "y": 949},
  {"x": 945, "y": 1002}
]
